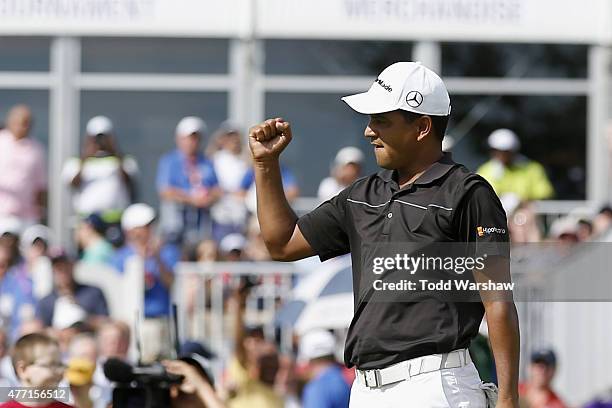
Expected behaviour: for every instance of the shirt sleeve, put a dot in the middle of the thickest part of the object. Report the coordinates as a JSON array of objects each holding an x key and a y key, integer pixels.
[
  {"x": 40, "y": 171},
  {"x": 163, "y": 173},
  {"x": 130, "y": 165},
  {"x": 170, "y": 256},
  {"x": 247, "y": 180},
  {"x": 210, "y": 178},
  {"x": 325, "y": 228},
  {"x": 541, "y": 188},
  {"x": 481, "y": 222},
  {"x": 101, "y": 307}
]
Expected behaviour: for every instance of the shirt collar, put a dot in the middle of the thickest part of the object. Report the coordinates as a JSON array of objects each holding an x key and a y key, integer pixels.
[{"x": 433, "y": 173}]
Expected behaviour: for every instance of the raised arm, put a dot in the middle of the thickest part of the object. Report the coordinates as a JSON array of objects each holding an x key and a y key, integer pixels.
[{"x": 277, "y": 220}]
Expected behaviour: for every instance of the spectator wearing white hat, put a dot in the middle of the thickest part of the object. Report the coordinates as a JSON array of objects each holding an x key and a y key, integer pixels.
[
  {"x": 102, "y": 179},
  {"x": 34, "y": 242},
  {"x": 232, "y": 247},
  {"x": 326, "y": 387},
  {"x": 346, "y": 169},
  {"x": 511, "y": 174},
  {"x": 229, "y": 214},
  {"x": 159, "y": 260},
  {"x": 187, "y": 185}
]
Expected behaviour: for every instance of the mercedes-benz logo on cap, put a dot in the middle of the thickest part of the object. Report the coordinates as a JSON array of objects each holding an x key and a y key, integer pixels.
[{"x": 414, "y": 99}]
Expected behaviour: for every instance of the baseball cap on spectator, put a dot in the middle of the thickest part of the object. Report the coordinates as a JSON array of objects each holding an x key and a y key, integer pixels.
[
  {"x": 137, "y": 215},
  {"x": 99, "y": 125},
  {"x": 348, "y": 155},
  {"x": 504, "y": 140},
  {"x": 96, "y": 222},
  {"x": 545, "y": 356},
  {"x": 201, "y": 364},
  {"x": 35, "y": 232},
  {"x": 564, "y": 226},
  {"x": 67, "y": 313},
  {"x": 10, "y": 225},
  {"x": 229, "y": 126},
  {"x": 232, "y": 242},
  {"x": 190, "y": 125},
  {"x": 408, "y": 86},
  {"x": 316, "y": 344}
]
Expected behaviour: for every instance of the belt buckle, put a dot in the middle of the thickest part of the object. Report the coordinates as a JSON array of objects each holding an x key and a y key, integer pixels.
[{"x": 372, "y": 378}]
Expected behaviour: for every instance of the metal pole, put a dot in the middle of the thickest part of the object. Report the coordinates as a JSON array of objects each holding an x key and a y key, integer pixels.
[
  {"x": 64, "y": 121},
  {"x": 598, "y": 106}
]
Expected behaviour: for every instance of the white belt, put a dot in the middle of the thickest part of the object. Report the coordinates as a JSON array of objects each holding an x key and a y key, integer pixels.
[{"x": 405, "y": 370}]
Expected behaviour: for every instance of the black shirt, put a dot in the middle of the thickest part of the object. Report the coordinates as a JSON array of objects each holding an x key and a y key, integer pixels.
[{"x": 447, "y": 203}]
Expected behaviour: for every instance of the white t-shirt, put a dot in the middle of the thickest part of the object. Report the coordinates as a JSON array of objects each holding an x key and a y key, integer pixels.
[
  {"x": 230, "y": 169},
  {"x": 102, "y": 186}
]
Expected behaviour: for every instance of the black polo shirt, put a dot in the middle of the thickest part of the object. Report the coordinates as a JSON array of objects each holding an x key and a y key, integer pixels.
[{"x": 447, "y": 203}]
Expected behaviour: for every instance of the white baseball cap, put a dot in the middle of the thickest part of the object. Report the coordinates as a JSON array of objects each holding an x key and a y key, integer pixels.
[
  {"x": 232, "y": 242},
  {"x": 504, "y": 140},
  {"x": 137, "y": 215},
  {"x": 10, "y": 225},
  {"x": 34, "y": 232},
  {"x": 317, "y": 343},
  {"x": 348, "y": 155},
  {"x": 564, "y": 225},
  {"x": 408, "y": 86},
  {"x": 190, "y": 125},
  {"x": 99, "y": 125}
]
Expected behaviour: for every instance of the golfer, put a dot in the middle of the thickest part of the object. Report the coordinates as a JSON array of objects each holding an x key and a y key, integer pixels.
[{"x": 407, "y": 354}]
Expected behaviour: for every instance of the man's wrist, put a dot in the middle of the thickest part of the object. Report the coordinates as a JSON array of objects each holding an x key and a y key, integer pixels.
[
  {"x": 507, "y": 396},
  {"x": 265, "y": 164}
]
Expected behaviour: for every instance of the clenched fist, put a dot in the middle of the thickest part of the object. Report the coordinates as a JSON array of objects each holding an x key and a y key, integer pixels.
[{"x": 268, "y": 139}]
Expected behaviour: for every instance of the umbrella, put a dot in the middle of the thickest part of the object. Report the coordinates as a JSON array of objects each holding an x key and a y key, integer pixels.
[{"x": 323, "y": 299}]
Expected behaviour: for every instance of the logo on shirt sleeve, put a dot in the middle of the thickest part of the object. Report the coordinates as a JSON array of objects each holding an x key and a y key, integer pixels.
[{"x": 482, "y": 231}]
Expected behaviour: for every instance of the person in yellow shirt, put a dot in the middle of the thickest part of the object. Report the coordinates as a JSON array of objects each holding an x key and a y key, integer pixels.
[
  {"x": 253, "y": 368},
  {"x": 513, "y": 176}
]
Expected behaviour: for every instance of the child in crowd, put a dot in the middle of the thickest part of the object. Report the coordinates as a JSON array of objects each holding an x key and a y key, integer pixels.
[{"x": 38, "y": 365}]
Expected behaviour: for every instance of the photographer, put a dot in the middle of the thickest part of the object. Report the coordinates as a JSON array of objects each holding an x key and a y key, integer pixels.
[{"x": 196, "y": 389}]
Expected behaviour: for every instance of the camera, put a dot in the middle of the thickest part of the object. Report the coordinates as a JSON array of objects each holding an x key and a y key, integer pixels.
[{"x": 144, "y": 386}]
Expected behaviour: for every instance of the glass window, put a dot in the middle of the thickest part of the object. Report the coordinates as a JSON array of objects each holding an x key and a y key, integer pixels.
[
  {"x": 155, "y": 55},
  {"x": 38, "y": 101},
  {"x": 514, "y": 60},
  {"x": 322, "y": 124},
  {"x": 145, "y": 122},
  {"x": 311, "y": 57},
  {"x": 552, "y": 131},
  {"x": 24, "y": 54}
]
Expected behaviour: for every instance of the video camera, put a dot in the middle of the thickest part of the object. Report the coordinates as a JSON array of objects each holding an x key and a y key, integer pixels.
[{"x": 146, "y": 386}]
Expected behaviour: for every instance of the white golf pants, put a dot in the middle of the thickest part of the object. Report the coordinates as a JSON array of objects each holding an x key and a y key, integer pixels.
[{"x": 445, "y": 388}]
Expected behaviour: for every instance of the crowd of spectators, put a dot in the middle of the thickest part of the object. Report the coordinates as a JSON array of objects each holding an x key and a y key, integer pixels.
[{"x": 206, "y": 213}]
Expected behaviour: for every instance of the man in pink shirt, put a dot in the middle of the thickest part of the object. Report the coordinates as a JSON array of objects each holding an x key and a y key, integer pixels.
[{"x": 23, "y": 171}]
